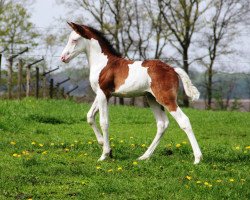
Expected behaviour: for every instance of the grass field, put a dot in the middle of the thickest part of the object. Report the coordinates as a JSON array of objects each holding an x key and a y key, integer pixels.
[{"x": 48, "y": 151}]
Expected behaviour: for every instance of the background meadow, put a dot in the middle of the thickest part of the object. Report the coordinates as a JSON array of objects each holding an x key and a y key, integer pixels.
[{"x": 48, "y": 151}]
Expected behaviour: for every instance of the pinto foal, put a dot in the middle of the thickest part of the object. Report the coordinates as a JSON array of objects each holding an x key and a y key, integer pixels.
[{"x": 113, "y": 75}]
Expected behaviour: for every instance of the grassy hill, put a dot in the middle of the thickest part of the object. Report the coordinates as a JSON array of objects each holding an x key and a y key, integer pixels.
[{"x": 48, "y": 151}]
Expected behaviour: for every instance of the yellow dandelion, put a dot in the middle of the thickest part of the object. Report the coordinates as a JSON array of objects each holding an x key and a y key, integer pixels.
[
  {"x": 169, "y": 145},
  {"x": 184, "y": 142},
  {"x": 76, "y": 141},
  {"x": 90, "y": 142},
  {"x": 132, "y": 145},
  {"x": 13, "y": 143},
  {"x": 110, "y": 170},
  {"x": 218, "y": 181},
  {"x": 210, "y": 185},
  {"x": 52, "y": 144},
  {"x": 121, "y": 141},
  {"x": 135, "y": 163},
  {"x": 62, "y": 143},
  {"x": 131, "y": 137},
  {"x": 25, "y": 152},
  {"x": 30, "y": 199},
  {"x": 44, "y": 152},
  {"x": 33, "y": 143},
  {"x": 248, "y": 147},
  {"x": 41, "y": 145},
  {"x": 244, "y": 151},
  {"x": 206, "y": 183},
  {"x": 178, "y": 145},
  {"x": 143, "y": 145},
  {"x": 188, "y": 178},
  {"x": 72, "y": 145},
  {"x": 98, "y": 167},
  {"x": 119, "y": 168},
  {"x": 85, "y": 154},
  {"x": 112, "y": 145},
  {"x": 237, "y": 148},
  {"x": 231, "y": 180},
  {"x": 111, "y": 139},
  {"x": 66, "y": 149},
  {"x": 198, "y": 182},
  {"x": 14, "y": 154}
]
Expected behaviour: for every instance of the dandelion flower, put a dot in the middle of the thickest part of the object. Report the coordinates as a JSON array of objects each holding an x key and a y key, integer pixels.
[
  {"x": 13, "y": 143},
  {"x": 169, "y": 145},
  {"x": 178, "y": 145},
  {"x": 16, "y": 155},
  {"x": 110, "y": 170},
  {"x": 85, "y": 154},
  {"x": 188, "y": 178},
  {"x": 52, "y": 144},
  {"x": 72, "y": 145},
  {"x": 66, "y": 149},
  {"x": 44, "y": 152},
  {"x": 231, "y": 180},
  {"x": 132, "y": 145},
  {"x": 184, "y": 142},
  {"x": 135, "y": 163},
  {"x": 248, "y": 147},
  {"x": 90, "y": 142},
  {"x": 206, "y": 183},
  {"x": 112, "y": 145},
  {"x": 98, "y": 167},
  {"x": 218, "y": 181},
  {"x": 121, "y": 141},
  {"x": 41, "y": 145},
  {"x": 143, "y": 145},
  {"x": 237, "y": 148},
  {"x": 33, "y": 143},
  {"x": 210, "y": 185},
  {"x": 119, "y": 168},
  {"x": 131, "y": 137},
  {"x": 25, "y": 152},
  {"x": 198, "y": 182}
]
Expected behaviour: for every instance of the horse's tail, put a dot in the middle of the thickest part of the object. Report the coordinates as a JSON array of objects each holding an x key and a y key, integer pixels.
[{"x": 189, "y": 88}]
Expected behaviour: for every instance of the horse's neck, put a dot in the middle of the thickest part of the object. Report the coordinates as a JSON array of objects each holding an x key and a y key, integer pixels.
[{"x": 97, "y": 61}]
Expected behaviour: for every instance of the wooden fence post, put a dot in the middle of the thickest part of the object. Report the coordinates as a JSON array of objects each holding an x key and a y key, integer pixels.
[
  {"x": 51, "y": 88},
  {"x": 37, "y": 82},
  {"x": 20, "y": 78},
  {"x": 10, "y": 78},
  {"x": 28, "y": 81}
]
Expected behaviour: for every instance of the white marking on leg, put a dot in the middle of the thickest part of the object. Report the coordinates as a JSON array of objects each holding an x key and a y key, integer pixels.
[
  {"x": 91, "y": 120},
  {"x": 162, "y": 124},
  {"x": 103, "y": 110},
  {"x": 184, "y": 123}
]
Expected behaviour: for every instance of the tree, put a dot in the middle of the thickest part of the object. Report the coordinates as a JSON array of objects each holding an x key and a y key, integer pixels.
[
  {"x": 16, "y": 30},
  {"x": 181, "y": 17},
  {"x": 220, "y": 32}
]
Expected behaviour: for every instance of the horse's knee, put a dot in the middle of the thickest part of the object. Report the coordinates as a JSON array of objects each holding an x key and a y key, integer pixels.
[
  {"x": 184, "y": 123},
  {"x": 162, "y": 125},
  {"x": 90, "y": 119}
]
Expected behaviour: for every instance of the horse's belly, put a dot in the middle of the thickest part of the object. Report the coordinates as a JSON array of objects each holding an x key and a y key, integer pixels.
[{"x": 137, "y": 83}]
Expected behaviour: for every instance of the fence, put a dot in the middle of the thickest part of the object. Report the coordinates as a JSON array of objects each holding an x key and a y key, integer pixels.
[{"x": 40, "y": 80}]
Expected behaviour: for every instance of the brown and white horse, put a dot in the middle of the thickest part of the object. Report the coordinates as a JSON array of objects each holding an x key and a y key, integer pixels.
[{"x": 113, "y": 75}]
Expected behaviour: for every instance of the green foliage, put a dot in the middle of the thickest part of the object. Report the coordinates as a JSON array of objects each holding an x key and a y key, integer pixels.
[
  {"x": 16, "y": 28},
  {"x": 48, "y": 151}
]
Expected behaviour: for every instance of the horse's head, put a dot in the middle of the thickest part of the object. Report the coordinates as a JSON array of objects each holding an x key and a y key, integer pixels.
[{"x": 77, "y": 43}]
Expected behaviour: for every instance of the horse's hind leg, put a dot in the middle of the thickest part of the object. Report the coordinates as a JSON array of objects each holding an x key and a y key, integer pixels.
[
  {"x": 185, "y": 125},
  {"x": 162, "y": 123}
]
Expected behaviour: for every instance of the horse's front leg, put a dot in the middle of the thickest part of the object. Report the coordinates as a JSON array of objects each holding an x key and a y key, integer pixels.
[
  {"x": 91, "y": 120},
  {"x": 104, "y": 123}
]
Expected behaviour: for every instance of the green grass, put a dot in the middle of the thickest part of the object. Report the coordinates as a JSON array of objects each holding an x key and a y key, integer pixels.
[{"x": 48, "y": 151}]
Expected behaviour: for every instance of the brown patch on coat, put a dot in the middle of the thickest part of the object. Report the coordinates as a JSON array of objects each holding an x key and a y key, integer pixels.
[
  {"x": 114, "y": 74},
  {"x": 165, "y": 83}
]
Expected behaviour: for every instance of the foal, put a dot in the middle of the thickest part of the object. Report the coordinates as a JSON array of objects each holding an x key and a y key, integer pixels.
[{"x": 112, "y": 75}]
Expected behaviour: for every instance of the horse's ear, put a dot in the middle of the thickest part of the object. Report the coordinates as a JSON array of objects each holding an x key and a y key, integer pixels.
[{"x": 77, "y": 28}]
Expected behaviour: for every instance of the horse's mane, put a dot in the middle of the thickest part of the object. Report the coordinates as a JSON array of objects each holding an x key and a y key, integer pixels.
[{"x": 104, "y": 41}]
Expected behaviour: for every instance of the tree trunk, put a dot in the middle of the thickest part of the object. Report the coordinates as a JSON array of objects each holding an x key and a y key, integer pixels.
[
  {"x": 209, "y": 88},
  {"x": 185, "y": 67}
]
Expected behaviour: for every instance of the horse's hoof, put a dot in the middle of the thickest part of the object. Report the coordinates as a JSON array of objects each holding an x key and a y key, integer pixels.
[
  {"x": 197, "y": 159},
  {"x": 143, "y": 158},
  {"x": 106, "y": 155}
]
